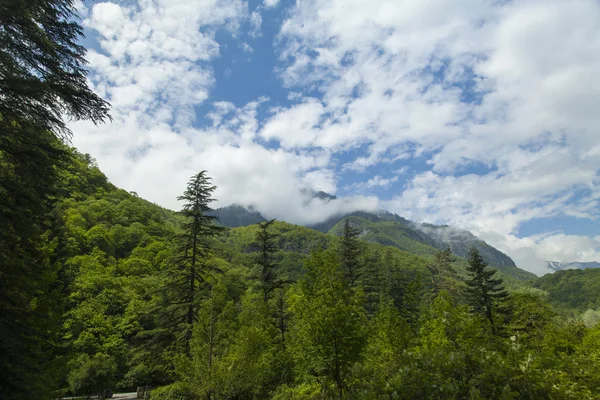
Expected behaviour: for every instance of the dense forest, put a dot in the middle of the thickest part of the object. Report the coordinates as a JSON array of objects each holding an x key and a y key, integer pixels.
[{"x": 100, "y": 288}]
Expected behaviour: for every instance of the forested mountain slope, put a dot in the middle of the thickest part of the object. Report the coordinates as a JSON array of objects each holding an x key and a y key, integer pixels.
[
  {"x": 405, "y": 235},
  {"x": 101, "y": 289},
  {"x": 111, "y": 250},
  {"x": 115, "y": 255},
  {"x": 572, "y": 289},
  {"x": 392, "y": 230}
]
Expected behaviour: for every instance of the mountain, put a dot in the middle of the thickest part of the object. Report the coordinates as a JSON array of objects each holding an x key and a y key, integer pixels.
[
  {"x": 391, "y": 229},
  {"x": 422, "y": 239},
  {"x": 113, "y": 250},
  {"x": 235, "y": 215},
  {"x": 572, "y": 289},
  {"x": 559, "y": 266},
  {"x": 437, "y": 236},
  {"x": 460, "y": 242},
  {"x": 317, "y": 194}
]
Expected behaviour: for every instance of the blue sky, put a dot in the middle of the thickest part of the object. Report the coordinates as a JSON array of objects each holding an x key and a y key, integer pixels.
[{"x": 474, "y": 113}]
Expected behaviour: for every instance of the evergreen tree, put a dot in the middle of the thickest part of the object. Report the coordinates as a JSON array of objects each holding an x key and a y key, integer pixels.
[
  {"x": 43, "y": 72},
  {"x": 373, "y": 282},
  {"x": 193, "y": 277},
  {"x": 484, "y": 292},
  {"x": 441, "y": 270},
  {"x": 270, "y": 283},
  {"x": 281, "y": 315},
  {"x": 213, "y": 334},
  {"x": 42, "y": 79},
  {"x": 350, "y": 252},
  {"x": 266, "y": 275}
]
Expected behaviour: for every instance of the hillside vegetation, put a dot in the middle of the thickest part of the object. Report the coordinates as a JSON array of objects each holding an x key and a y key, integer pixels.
[
  {"x": 573, "y": 289},
  {"x": 102, "y": 289},
  {"x": 402, "y": 327}
]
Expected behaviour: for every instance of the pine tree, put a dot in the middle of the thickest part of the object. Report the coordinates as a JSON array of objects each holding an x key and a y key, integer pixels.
[
  {"x": 484, "y": 293},
  {"x": 43, "y": 72},
  {"x": 373, "y": 282},
  {"x": 441, "y": 270},
  {"x": 266, "y": 274},
  {"x": 42, "y": 79},
  {"x": 281, "y": 315},
  {"x": 269, "y": 282},
  {"x": 192, "y": 277},
  {"x": 350, "y": 252}
]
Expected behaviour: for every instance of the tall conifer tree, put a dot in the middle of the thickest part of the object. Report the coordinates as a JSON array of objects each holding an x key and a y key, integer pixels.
[
  {"x": 441, "y": 270},
  {"x": 42, "y": 79},
  {"x": 191, "y": 278},
  {"x": 266, "y": 274},
  {"x": 350, "y": 253},
  {"x": 484, "y": 292}
]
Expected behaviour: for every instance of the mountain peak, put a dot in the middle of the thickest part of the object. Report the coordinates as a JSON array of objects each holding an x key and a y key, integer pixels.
[
  {"x": 559, "y": 266},
  {"x": 311, "y": 194},
  {"x": 385, "y": 228},
  {"x": 235, "y": 215}
]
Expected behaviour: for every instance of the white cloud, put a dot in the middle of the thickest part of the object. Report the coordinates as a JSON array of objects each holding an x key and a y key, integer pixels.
[
  {"x": 509, "y": 88},
  {"x": 531, "y": 253},
  {"x": 295, "y": 127},
  {"x": 322, "y": 179},
  {"x": 402, "y": 170},
  {"x": 376, "y": 182},
  {"x": 393, "y": 73},
  {"x": 149, "y": 59},
  {"x": 271, "y": 3}
]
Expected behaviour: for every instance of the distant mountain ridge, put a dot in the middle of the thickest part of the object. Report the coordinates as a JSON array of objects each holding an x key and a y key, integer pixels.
[
  {"x": 392, "y": 230},
  {"x": 235, "y": 215},
  {"x": 559, "y": 266}
]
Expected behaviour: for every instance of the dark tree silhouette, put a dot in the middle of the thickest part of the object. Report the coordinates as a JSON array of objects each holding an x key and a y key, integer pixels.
[
  {"x": 189, "y": 278},
  {"x": 42, "y": 79},
  {"x": 266, "y": 274},
  {"x": 350, "y": 252},
  {"x": 484, "y": 293}
]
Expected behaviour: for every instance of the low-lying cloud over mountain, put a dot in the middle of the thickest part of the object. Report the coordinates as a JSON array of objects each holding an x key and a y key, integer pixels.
[
  {"x": 479, "y": 114},
  {"x": 558, "y": 266}
]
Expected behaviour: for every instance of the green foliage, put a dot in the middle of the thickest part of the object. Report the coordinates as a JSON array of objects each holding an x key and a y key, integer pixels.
[
  {"x": 203, "y": 373},
  {"x": 192, "y": 274},
  {"x": 484, "y": 292},
  {"x": 43, "y": 67},
  {"x": 403, "y": 235},
  {"x": 400, "y": 332},
  {"x": 530, "y": 314},
  {"x": 266, "y": 275},
  {"x": 350, "y": 253},
  {"x": 389, "y": 335},
  {"x": 387, "y": 233},
  {"x": 42, "y": 79},
  {"x": 90, "y": 375},
  {"x": 591, "y": 318},
  {"x": 442, "y": 271},
  {"x": 575, "y": 289},
  {"x": 328, "y": 326}
]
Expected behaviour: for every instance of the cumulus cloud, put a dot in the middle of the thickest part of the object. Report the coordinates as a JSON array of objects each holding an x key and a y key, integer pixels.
[
  {"x": 498, "y": 100},
  {"x": 508, "y": 86}
]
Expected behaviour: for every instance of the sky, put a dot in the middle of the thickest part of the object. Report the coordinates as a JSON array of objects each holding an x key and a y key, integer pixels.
[{"x": 480, "y": 114}]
